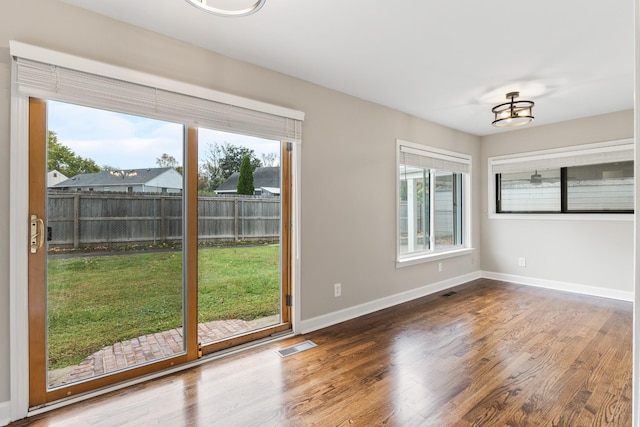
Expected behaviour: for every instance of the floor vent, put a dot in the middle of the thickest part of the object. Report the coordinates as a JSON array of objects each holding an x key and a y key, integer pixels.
[
  {"x": 448, "y": 294},
  {"x": 305, "y": 345}
]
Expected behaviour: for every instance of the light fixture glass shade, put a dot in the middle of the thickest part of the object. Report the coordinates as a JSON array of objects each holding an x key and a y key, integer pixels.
[
  {"x": 228, "y": 8},
  {"x": 513, "y": 113}
]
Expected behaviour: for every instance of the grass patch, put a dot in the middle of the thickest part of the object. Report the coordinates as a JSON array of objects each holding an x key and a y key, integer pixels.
[
  {"x": 96, "y": 301},
  {"x": 238, "y": 283}
]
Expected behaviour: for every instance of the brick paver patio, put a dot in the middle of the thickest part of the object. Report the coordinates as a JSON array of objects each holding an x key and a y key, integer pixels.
[{"x": 154, "y": 346}]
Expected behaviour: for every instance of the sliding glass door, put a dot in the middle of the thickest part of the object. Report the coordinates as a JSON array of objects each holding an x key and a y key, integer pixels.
[
  {"x": 139, "y": 258},
  {"x": 241, "y": 245}
]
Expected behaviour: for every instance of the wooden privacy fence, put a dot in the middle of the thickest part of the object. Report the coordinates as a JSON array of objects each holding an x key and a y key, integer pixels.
[
  {"x": 93, "y": 219},
  {"x": 443, "y": 217}
]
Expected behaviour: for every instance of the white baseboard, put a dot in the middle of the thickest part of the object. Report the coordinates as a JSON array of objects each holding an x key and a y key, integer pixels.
[
  {"x": 330, "y": 319},
  {"x": 5, "y": 413},
  {"x": 561, "y": 286}
]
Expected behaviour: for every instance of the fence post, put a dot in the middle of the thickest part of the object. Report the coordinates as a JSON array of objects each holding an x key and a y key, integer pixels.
[
  {"x": 163, "y": 225},
  {"x": 243, "y": 215},
  {"x": 235, "y": 219},
  {"x": 154, "y": 225},
  {"x": 76, "y": 221}
]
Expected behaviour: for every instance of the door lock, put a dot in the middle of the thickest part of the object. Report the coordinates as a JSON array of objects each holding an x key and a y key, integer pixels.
[{"x": 37, "y": 233}]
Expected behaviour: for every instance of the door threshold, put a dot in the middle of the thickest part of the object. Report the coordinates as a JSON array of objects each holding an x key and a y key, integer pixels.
[{"x": 205, "y": 359}]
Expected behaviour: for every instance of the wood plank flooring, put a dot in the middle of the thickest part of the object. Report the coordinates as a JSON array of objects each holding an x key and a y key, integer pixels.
[{"x": 493, "y": 354}]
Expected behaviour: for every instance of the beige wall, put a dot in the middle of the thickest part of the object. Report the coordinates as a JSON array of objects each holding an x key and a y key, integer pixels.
[
  {"x": 584, "y": 252},
  {"x": 348, "y": 172},
  {"x": 348, "y": 154}
]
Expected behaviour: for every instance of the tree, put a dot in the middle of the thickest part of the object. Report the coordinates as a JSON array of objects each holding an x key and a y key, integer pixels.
[
  {"x": 64, "y": 160},
  {"x": 222, "y": 160},
  {"x": 269, "y": 159},
  {"x": 210, "y": 175},
  {"x": 245, "y": 180},
  {"x": 166, "y": 161},
  {"x": 233, "y": 156}
]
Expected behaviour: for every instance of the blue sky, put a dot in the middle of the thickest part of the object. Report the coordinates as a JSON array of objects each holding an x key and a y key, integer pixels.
[{"x": 130, "y": 142}]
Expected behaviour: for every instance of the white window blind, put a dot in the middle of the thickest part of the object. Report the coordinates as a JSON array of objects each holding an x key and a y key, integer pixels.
[
  {"x": 433, "y": 160},
  {"x": 581, "y": 157},
  {"x": 55, "y": 82}
]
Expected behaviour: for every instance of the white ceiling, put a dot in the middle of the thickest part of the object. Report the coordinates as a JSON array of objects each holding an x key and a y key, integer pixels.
[{"x": 446, "y": 61}]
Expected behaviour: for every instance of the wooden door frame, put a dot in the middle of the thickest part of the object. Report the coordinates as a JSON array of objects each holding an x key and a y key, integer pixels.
[
  {"x": 18, "y": 263},
  {"x": 286, "y": 251},
  {"x": 38, "y": 392},
  {"x": 37, "y": 268}
]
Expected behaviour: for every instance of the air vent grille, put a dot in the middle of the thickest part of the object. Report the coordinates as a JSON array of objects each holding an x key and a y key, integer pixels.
[{"x": 288, "y": 351}]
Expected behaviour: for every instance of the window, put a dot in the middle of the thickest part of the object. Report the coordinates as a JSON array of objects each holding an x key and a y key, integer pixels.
[
  {"x": 605, "y": 187},
  {"x": 597, "y": 178},
  {"x": 530, "y": 191},
  {"x": 432, "y": 210}
]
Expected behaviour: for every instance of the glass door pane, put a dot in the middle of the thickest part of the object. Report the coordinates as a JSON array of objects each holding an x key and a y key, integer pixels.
[
  {"x": 239, "y": 250},
  {"x": 114, "y": 269}
]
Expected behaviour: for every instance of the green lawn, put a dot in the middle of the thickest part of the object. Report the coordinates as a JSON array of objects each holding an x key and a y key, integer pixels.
[{"x": 95, "y": 301}]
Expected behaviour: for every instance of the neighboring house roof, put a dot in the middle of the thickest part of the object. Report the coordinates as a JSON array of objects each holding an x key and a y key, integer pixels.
[
  {"x": 271, "y": 190},
  {"x": 54, "y": 177},
  {"x": 268, "y": 177},
  {"x": 114, "y": 178}
]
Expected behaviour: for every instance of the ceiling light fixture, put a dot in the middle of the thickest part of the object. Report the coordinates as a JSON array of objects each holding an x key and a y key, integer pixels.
[
  {"x": 228, "y": 8},
  {"x": 536, "y": 178},
  {"x": 513, "y": 113}
]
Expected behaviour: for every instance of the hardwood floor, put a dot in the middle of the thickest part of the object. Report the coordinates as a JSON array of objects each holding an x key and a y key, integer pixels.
[{"x": 493, "y": 354}]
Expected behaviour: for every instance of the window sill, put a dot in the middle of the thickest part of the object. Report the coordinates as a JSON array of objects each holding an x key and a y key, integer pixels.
[
  {"x": 419, "y": 259},
  {"x": 566, "y": 216}
]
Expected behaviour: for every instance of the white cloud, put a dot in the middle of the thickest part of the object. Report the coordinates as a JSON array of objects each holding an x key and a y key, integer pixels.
[
  {"x": 126, "y": 153},
  {"x": 258, "y": 145},
  {"x": 71, "y": 122},
  {"x": 128, "y": 142}
]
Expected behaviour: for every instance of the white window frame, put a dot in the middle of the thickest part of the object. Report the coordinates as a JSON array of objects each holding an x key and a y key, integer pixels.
[
  {"x": 434, "y": 254},
  {"x": 19, "y": 190},
  {"x": 593, "y": 153}
]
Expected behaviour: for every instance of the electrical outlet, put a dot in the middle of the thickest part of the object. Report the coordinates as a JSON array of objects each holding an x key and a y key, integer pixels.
[
  {"x": 522, "y": 262},
  {"x": 439, "y": 267},
  {"x": 337, "y": 290}
]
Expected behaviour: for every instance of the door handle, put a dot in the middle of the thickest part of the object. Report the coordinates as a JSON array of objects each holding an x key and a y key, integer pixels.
[{"x": 37, "y": 233}]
